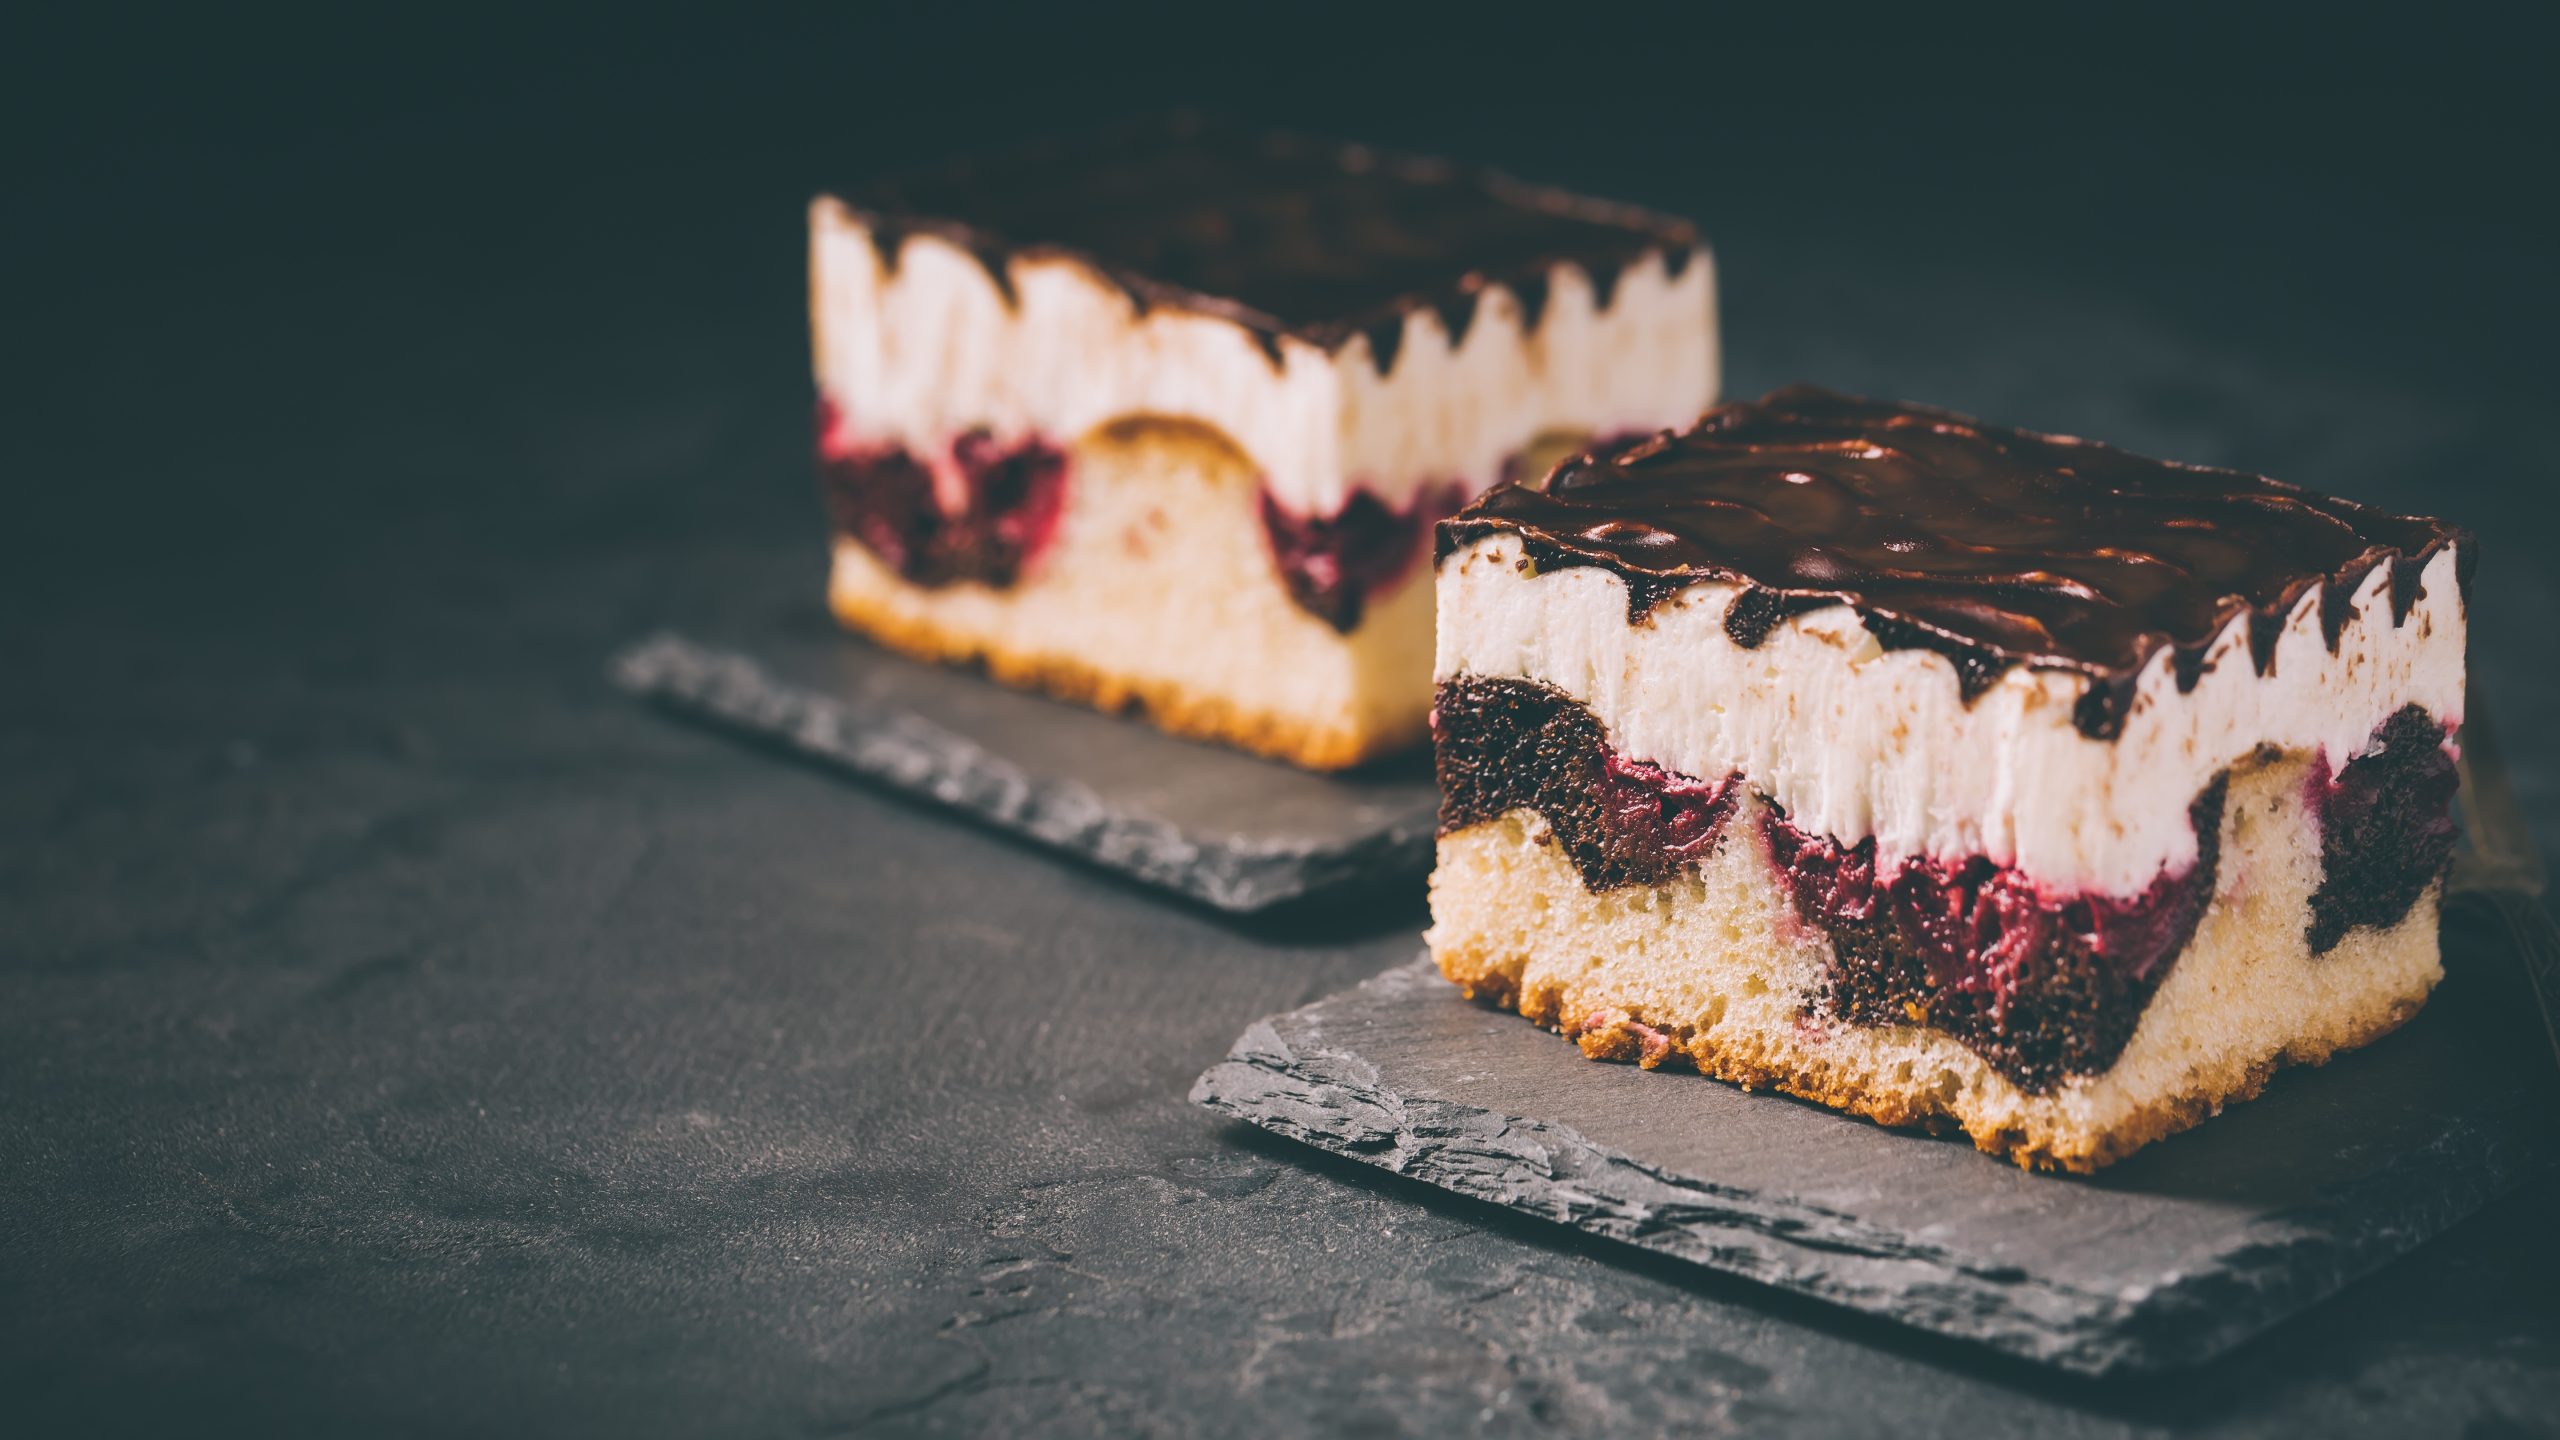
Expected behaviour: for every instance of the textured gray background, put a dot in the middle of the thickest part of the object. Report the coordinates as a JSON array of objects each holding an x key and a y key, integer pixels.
[{"x": 402, "y": 1032}]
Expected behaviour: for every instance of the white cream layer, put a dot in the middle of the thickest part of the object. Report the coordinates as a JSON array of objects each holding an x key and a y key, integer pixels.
[
  {"x": 1854, "y": 740},
  {"x": 921, "y": 351}
]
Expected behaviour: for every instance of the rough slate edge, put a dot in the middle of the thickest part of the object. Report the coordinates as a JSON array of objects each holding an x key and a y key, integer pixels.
[
  {"x": 913, "y": 753},
  {"x": 1283, "y": 1077}
]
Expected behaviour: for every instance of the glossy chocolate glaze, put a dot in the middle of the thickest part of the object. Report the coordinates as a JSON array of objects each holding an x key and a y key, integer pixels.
[
  {"x": 1992, "y": 546},
  {"x": 1283, "y": 235}
]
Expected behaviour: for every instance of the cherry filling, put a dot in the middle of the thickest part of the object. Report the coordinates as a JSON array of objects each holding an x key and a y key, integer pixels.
[
  {"x": 1668, "y": 817},
  {"x": 1004, "y": 511},
  {"x": 2386, "y": 827},
  {"x": 1506, "y": 745},
  {"x": 2043, "y": 985},
  {"x": 1334, "y": 564},
  {"x": 996, "y": 507}
]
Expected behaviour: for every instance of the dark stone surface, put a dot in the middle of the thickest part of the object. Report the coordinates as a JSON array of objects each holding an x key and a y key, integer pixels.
[
  {"x": 2171, "y": 1257},
  {"x": 403, "y": 1032},
  {"x": 1229, "y": 830}
]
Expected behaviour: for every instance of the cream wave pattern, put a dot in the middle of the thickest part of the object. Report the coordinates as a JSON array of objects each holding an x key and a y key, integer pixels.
[
  {"x": 1854, "y": 740},
  {"x": 919, "y": 345}
]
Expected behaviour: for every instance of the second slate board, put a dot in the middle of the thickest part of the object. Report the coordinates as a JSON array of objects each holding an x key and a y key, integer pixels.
[{"x": 1223, "y": 828}]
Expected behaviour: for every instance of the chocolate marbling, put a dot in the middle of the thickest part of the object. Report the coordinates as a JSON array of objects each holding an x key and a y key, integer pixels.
[
  {"x": 2043, "y": 987},
  {"x": 1993, "y": 546},
  {"x": 1284, "y": 235}
]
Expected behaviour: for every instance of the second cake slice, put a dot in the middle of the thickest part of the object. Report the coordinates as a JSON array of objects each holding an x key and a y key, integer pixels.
[{"x": 1162, "y": 419}]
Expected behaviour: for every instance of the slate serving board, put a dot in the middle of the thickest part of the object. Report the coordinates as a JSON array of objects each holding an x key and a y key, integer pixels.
[
  {"x": 1224, "y": 828},
  {"x": 2170, "y": 1258}
]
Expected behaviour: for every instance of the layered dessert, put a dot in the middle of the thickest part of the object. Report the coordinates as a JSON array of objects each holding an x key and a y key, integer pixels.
[
  {"x": 1947, "y": 774},
  {"x": 1162, "y": 418}
]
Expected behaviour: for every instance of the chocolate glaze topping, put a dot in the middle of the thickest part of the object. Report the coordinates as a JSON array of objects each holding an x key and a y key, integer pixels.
[
  {"x": 1283, "y": 235},
  {"x": 1992, "y": 546}
]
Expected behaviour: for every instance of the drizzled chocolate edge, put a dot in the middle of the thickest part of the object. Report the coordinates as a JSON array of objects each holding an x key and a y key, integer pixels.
[
  {"x": 2101, "y": 710},
  {"x": 1639, "y": 233}
]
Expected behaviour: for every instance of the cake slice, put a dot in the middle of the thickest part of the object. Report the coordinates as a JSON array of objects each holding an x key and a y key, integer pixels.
[
  {"x": 1943, "y": 773},
  {"x": 1162, "y": 418}
]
